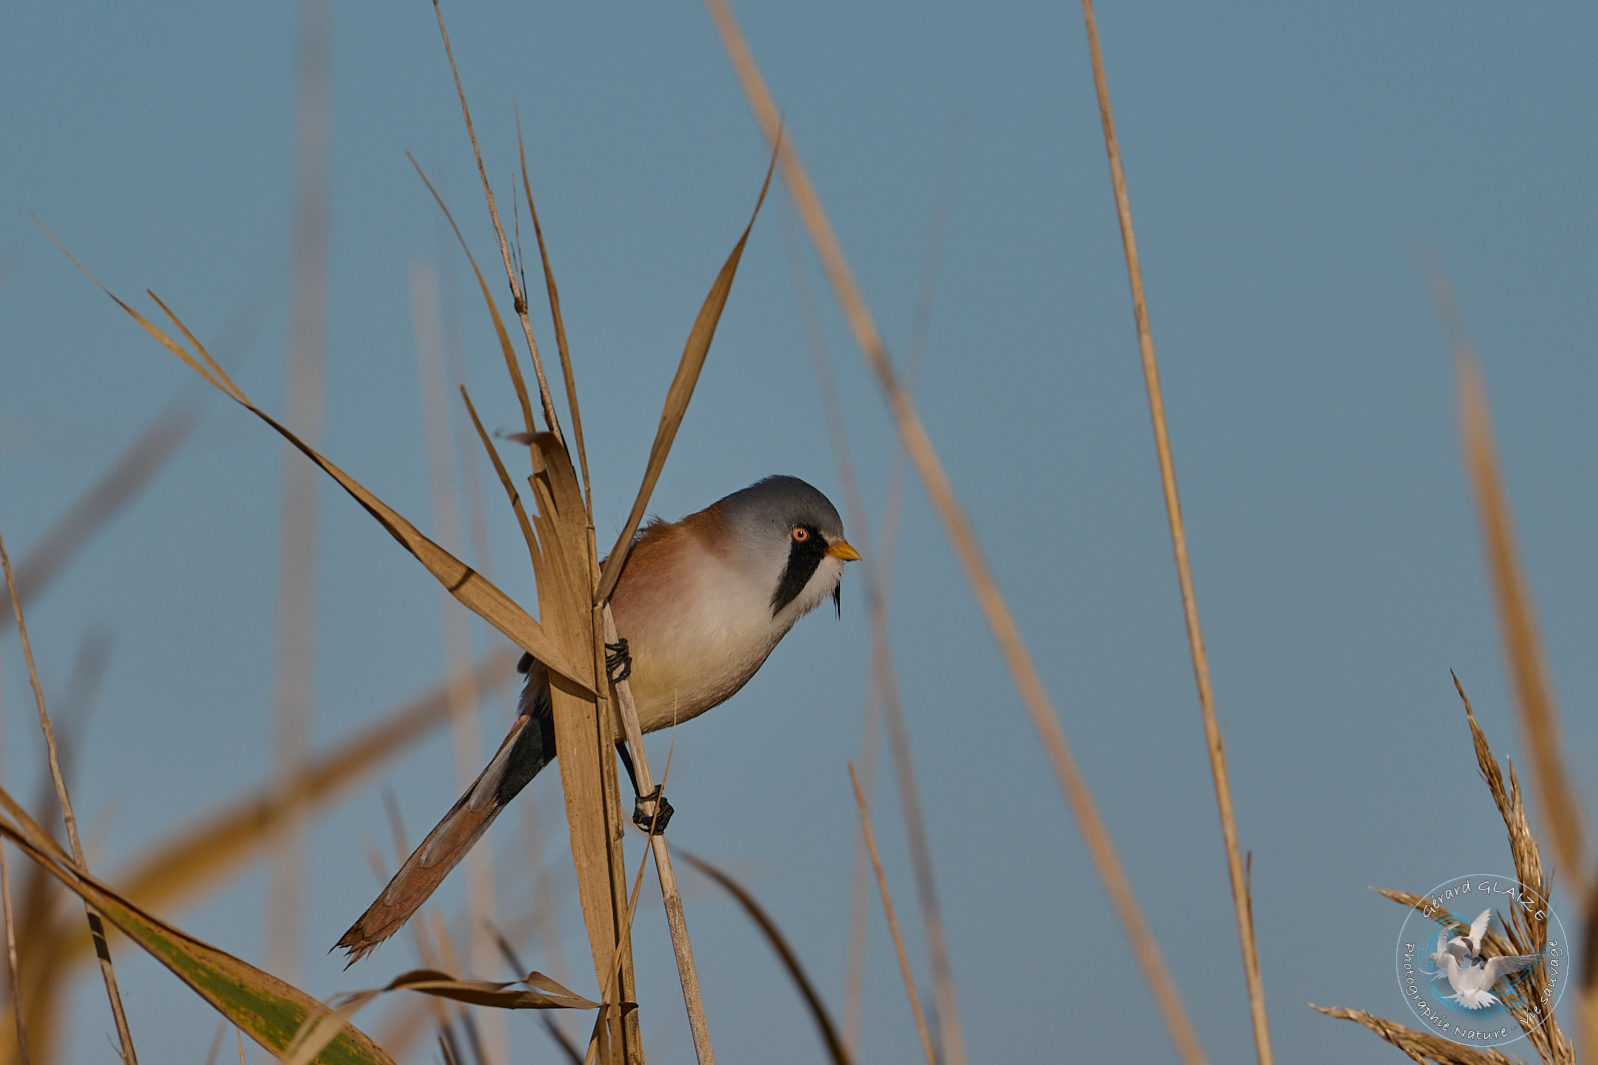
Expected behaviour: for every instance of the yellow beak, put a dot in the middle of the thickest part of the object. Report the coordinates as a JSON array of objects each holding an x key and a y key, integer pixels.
[{"x": 841, "y": 549}]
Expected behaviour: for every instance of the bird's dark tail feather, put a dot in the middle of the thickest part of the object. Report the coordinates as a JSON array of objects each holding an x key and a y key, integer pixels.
[{"x": 529, "y": 747}]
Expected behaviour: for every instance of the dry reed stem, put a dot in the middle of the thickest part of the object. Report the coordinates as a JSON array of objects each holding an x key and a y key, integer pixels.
[
  {"x": 946, "y": 1009},
  {"x": 818, "y": 1011},
  {"x": 519, "y": 296},
  {"x": 671, "y": 898},
  {"x": 96, "y": 924},
  {"x": 304, "y": 406},
  {"x": 893, "y": 922},
  {"x": 1241, "y": 904},
  {"x": 1006, "y": 632},
  {"x": 1537, "y": 713},
  {"x": 1538, "y": 717},
  {"x": 1524, "y": 937},
  {"x": 577, "y": 780},
  {"x": 625, "y": 935},
  {"x": 13, "y": 969}
]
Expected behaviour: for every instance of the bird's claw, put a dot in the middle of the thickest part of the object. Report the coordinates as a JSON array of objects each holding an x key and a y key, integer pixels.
[
  {"x": 618, "y": 660},
  {"x": 653, "y": 820}
]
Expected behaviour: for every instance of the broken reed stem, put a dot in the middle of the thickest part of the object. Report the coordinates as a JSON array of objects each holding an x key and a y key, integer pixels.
[
  {"x": 893, "y": 922},
  {"x": 1241, "y": 905},
  {"x": 671, "y": 898},
  {"x": 1006, "y": 632},
  {"x": 96, "y": 924}
]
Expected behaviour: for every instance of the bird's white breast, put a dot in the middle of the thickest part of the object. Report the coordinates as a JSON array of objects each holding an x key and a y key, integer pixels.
[{"x": 699, "y": 627}]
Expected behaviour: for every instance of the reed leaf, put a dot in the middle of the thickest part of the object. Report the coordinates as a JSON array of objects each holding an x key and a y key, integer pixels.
[{"x": 267, "y": 1009}]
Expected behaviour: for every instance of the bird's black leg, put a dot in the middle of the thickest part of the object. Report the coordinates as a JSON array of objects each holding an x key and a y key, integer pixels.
[
  {"x": 618, "y": 660},
  {"x": 663, "y": 810}
]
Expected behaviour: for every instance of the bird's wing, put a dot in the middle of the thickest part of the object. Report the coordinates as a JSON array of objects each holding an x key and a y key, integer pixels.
[
  {"x": 1478, "y": 929},
  {"x": 526, "y": 749},
  {"x": 1446, "y": 956},
  {"x": 1498, "y": 968}
]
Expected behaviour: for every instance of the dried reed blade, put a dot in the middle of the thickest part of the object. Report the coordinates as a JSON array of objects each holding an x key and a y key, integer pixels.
[
  {"x": 203, "y": 364},
  {"x": 681, "y": 391},
  {"x": 96, "y": 925},
  {"x": 508, "y": 952},
  {"x": 785, "y": 953},
  {"x": 528, "y": 536},
  {"x": 474, "y": 590},
  {"x": 893, "y": 922},
  {"x": 939, "y": 489},
  {"x": 506, "y": 349},
  {"x": 194, "y": 861},
  {"x": 268, "y": 1008},
  {"x": 560, "y": 323},
  {"x": 537, "y": 992},
  {"x": 584, "y": 733},
  {"x": 1517, "y": 617},
  {"x": 520, "y": 297}
]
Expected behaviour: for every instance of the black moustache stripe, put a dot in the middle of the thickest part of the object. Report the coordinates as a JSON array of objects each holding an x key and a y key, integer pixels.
[{"x": 803, "y": 558}]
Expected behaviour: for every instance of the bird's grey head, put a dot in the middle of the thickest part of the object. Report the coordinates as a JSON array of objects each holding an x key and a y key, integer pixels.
[{"x": 795, "y": 537}]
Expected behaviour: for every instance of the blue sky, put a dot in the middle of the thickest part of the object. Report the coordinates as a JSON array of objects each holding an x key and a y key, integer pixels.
[{"x": 1293, "y": 172}]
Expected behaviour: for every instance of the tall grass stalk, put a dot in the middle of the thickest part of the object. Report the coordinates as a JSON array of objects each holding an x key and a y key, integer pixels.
[
  {"x": 893, "y": 921},
  {"x": 96, "y": 924},
  {"x": 304, "y": 408},
  {"x": 13, "y": 968},
  {"x": 961, "y": 535},
  {"x": 1242, "y": 906},
  {"x": 1536, "y": 711}
]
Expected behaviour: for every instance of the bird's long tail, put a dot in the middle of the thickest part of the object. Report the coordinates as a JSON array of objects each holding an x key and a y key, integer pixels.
[{"x": 528, "y": 747}]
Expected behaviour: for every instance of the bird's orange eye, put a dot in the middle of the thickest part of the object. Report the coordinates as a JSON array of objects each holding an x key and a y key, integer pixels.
[{"x": 800, "y": 534}]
